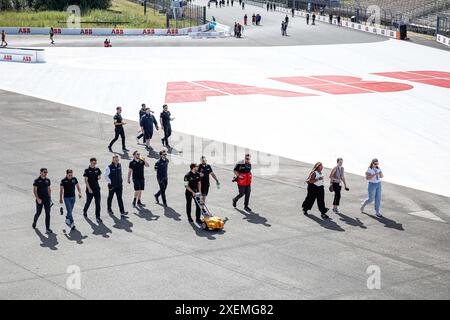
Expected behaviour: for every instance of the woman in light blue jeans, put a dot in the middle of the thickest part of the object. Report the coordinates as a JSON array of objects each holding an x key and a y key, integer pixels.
[{"x": 374, "y": 176}]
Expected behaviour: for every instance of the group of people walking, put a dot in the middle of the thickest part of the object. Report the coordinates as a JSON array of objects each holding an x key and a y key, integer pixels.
[{"x": 316, "y": 188}]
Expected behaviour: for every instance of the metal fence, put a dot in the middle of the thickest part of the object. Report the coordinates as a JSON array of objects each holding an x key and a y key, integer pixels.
[
  {"x": 443, "y": 25},
  {"x": 179, "y": 14}
]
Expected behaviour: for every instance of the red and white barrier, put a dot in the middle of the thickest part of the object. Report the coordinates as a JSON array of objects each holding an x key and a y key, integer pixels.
[
  {"x": 109, "y": 32},
  {"x": 22, "y": 55},
  {"x": 346, "y": 23},
  {"x": 442, "y": 39}
]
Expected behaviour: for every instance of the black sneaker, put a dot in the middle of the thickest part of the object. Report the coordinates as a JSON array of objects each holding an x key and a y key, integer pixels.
[
  {"x": 134, "y": 204},
  {"x": 110, "y": 212},
  {"x": 165, "y": 204},
  {"x": 324, "y": 216},
  {"x": 141, "y": 204},
  {"x": 156, "y": 199},
  {"x": 305, "y": 212},
  {"x": 48, "y": 231},
  {"x": 162, "y": 141},
  {"x": 110, "y": 149},
  {"x": 34, "y": 225},
  {"x": 85, "y": 214},
  {"x": 123, "y": 214},
  {"x": 234, "y": 202},
  {"x": 125, "y": 149},
  {"x": 190, "y": 220},
  {"x": 99, "y": 220},
  {"x": 248, "y": 209}
]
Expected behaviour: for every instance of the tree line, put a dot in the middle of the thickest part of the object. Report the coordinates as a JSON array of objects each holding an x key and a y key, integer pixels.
[{"x": 57, "y": 5}]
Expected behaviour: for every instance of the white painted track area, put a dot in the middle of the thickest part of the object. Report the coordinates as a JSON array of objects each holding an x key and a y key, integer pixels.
[{"x": 408, "y": 130}]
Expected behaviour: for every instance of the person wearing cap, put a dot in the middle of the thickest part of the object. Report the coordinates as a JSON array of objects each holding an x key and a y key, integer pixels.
[
  {"x": 192, "y": 183},
  {"x": 337, "y": 178},
  {"x": 118, "y": 129},
  {"x": 43, "y": 195},
  {"x": 165, "y": 119},
  {"x": 161, "y": 167},
  {"x": 315, "y": 191},
  {"x": 91, "y": 177},
  {"x": 136, "y": 170},
  {"x": 373, "y": 176},
  {"x": 205, "y": 171},
  {"x": 147, "y": 122},
  {"x": 67, "y": 195},
  {"x": 141, "y": 114},
  {"x": 243, "y": 177},
  {"x": 113, "y": 176}
]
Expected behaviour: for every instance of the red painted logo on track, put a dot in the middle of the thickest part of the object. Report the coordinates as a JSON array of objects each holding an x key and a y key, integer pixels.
[{"x": 198, "y": 91}]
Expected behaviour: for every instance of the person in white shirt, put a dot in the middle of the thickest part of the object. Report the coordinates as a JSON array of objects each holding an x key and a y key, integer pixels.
[
  {"x": 315, "y": 191},
  {"x": 374, "y": 176}
]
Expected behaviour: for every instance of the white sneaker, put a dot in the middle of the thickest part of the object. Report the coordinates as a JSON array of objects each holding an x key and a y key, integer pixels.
[
  {"x": 379, "y": 215},
  {"x": 336, "y": 210}
]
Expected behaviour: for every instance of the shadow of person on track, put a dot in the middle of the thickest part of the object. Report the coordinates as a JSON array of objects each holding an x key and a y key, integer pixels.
[
  {"x": 75, "y": 235},
  {"x": 50, "y": 241},
  {"x": 327, "y": 223},
  {"x": 100, "y": 229},
  {"x": 253, "y": 217},
  {"x": 355, "y": 222},
  {"x": 146, "y": 214},
  {"x": 122, "y": 223},
  {"x": 388, "y": 223},
  {"x": 171, "y": 214},
  {"x": 124, "y": 156}
]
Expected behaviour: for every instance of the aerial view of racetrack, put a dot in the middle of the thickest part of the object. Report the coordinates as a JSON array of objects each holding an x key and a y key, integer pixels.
[{"x": 299, "y": 104}]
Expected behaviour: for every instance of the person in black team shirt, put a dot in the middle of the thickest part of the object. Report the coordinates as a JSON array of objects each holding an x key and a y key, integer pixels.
[
  {"x": 205, "y": 171},
  {"x": 119, "y": 131},
  {"x": 164, "y": 120},
  {"x": 141, "y": 114},
  {"x": 243, "y": 177},
  {"x": 161, "y": 175},
  {"x": 43, "y": 194},
  {"x": 67, "y": 195},
  {"x": 113, "y": 176},
  {"x": 192, "y": 184},
  {"x": 136, "y": 169},
  {"x": 91, "y": 176}
]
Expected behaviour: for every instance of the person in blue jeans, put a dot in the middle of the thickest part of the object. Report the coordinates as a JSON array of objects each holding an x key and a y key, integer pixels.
[
  {"x": 374, "y": 176},
  {"x": 67, "y": 194}
]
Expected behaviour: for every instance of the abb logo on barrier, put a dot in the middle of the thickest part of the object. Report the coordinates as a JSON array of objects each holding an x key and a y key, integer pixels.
[
  {"x": 148, "y": 31},
  {"x": 198, "y": 91},
  {"x": 57, "y": 30},
  {"x": 117, "y": 31},
  {"x": 172, "y": 31},
  {"x": 26, "y": 59},
  {"x": 7, "y": 57},
  {"x": 24, "y": 30},
  {"x": 86, "y": 31}
]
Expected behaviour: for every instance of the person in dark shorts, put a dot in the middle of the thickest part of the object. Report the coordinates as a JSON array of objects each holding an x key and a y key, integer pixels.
[
  {"x": 192, "y": 183},
  {"x": 43, "y": 194},
  {"x": 67, "y": 195},
  {"x": 205, "y": 171},
  {"x": 136, "y": 170}
]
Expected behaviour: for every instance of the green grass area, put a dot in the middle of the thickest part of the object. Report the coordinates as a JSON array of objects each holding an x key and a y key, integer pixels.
[{"x": 121, "y": 11}]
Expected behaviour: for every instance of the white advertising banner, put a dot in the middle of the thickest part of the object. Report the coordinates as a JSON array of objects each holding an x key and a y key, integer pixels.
[
  {"x": 22, "y": 55},
  {"x": 442, "y": 39}
]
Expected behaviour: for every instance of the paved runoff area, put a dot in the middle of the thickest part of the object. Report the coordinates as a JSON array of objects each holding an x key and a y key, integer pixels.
[{"x": 59, "y": 114}]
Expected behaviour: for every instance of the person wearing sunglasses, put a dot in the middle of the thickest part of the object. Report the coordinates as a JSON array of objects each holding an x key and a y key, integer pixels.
[
  {"x": 91, "y": 177},
  {"x": 373, "y": 176},
  {"x": 243, "y": 177},
  {"x": 43, "y": 193},
  {"x": 136, "y": 170},
  {"x": 67, "y": 195}
]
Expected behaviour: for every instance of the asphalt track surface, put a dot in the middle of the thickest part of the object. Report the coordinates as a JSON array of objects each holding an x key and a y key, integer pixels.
[{"x": 273, "y": 253}]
